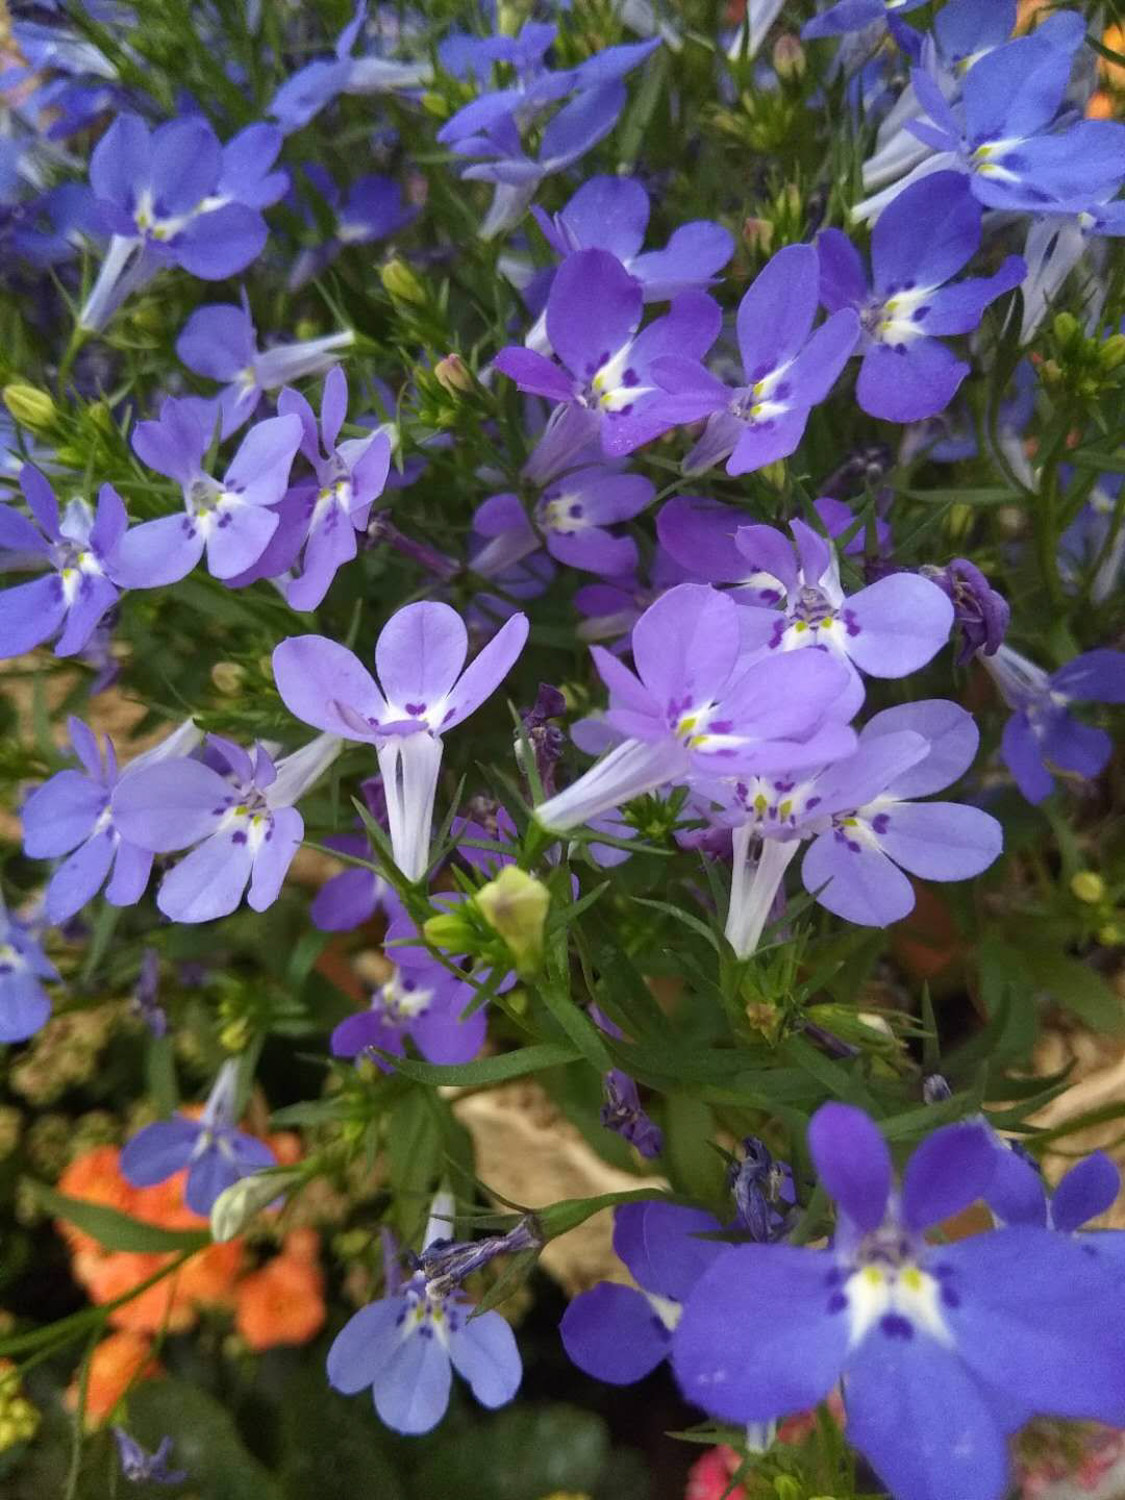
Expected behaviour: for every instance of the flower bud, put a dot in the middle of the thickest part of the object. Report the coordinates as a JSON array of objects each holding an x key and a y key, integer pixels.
[
  {"x": 235, "y": 1206},
  {"x": 436, "y": 105},
  {"x": 1112, "y": 935},
  {"x": 401, "y": 282},
  {"x": 449, "y": 930},
  {"x": 1066, "y": 328},
  {"x": 30, "y": 407},
  {"x": 1088, "y": 886},
  {"x": 228, "y": 678},
  {"x": 453, "y": 375},
  {"x": 758, "y": 234},
  {"x": 1112, "y": 352},
  {"x": 788, "y": 57},
  {"x": 515, "y": 904}
]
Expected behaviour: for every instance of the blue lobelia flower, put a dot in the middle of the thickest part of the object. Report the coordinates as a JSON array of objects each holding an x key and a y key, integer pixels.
[
  {"x": 853, "y": 15},
  {"x": 176, "y": 196},
  {"x": 1041, "y": 733},
  {"x": 374, "y": 209},
  {"x": 621, "y": 1333},
  {"x": 80, "y": 551},
  {"x": 219, "y": 341},
  {"x": 215, "y": 1153},
  {"x": 231, "y": 519},
  {"x": 423, "y": 1001},
  {"x": 943, "y": 1349},
  {"x": 72, "y": 815},
  {"x": 24, "y": 1003},
  {"x": 240, "y": 816},
  {"x": 424, "y": 689},
  {"x": 406, "y": 1345},
  {"x": 140, "y": 1467},
  {"x": 789, "y": 368},
  {"x": 928, "y": 234}
]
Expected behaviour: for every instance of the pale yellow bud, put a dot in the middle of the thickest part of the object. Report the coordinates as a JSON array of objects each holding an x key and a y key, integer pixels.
[{"x": 515, "y": 904}]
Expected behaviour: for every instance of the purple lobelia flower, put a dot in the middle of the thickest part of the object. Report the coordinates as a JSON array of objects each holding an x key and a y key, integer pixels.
[
  {"x": 489, "y": 130},
  {"x": 229, "y": 518},
  {"x": 24, "y": 1003},
  {"x": 1092, "y": 548},
  {"x": 605, "y": 381},
  {"x": 177, "y": 197},
  {"x": 928, "y": 234},
  {"x": 622, "y": 1111},
  {"x": 145, "y": 1003},
  {"x": 140, "y": 1467},
  {"x": 980, "y": 613},
  {"x": 788, "y": 367},
  {"x": 242, "y": 820},
  {"x": 72, "y": 815},
  {"x": 701, "y": 705},
  {"x": 374, "y": 209},
  {"x": 350, "y": 475},
  {"x": 1041, "y": 733},
  {"x": 423, "y": 1001},
  {"x": 864, "y": 825},
  {"x": 219, "y": 341},
  {"x": 347, "y": 900},
  {"x": 939, "y": 1357},
  {"x": 406, "y": 1345},
  {"x": 763, "y": 1191},
  {"x": 79, "y": 548},
  {"x": 888, "y": 629},
  {"x": 424, "y": 690},
  {"x": 845, "y": 16},
  {"x": 621, "y": 1333},
  {"x": 214, "y": 1151},
  {"x": 572, "y": 516}
]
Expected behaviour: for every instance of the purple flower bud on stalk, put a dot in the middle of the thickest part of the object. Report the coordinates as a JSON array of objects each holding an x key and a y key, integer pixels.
[
  {"x": 446, "y": 1263},
  {"x": 382, "y": 529},
  {"x": 145, "y": 994},
  {"x": 763, "y": 1190},
  {"x": 140, "y": 1467},
  {"x": 624, "y": 1114},
  {"x": 981, "y": 613}
]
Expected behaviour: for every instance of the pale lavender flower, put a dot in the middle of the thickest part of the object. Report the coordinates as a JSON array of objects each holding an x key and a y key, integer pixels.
[{"x": 24, "y": 1004}]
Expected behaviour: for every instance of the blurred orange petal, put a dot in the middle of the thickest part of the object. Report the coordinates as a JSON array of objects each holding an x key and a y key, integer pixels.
[{"x": 283, "y": 1303}]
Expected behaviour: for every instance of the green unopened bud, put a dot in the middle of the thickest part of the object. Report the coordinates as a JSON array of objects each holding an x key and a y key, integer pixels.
[
  {"x": 30, "y": 407},
  {"x": 436, "y": 105},
  {"x": 1065, "y": 327},
  {"x": 448, "y": 930},
  {"x": 787, "y": 1488},
  {"x": 453, "y": 375},
  {"x": 228, "y": 677},
  {"x": 788, "y": 57},
  {"x": 1112, "y": 352},
  {"x": 102, "y": 418},
  {"x": 401, "y": 282},
  {"x": 235, "y": 1206},
  {"x": 1112, "y": 935},
  {"x": 515, "y": 904},
  {"x": 758, "y": 234},
  {"x": 1088, "y": 886}
]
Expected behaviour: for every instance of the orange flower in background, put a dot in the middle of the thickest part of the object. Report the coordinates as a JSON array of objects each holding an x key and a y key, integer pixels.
[
  {"x": 95, "y": 1177},
  {"x": 117, "y": 1362},
  {"x": 208, "y": 1279},
  {"x": 283, "y": 1303},
  {"x": 160, "y": 1307}
]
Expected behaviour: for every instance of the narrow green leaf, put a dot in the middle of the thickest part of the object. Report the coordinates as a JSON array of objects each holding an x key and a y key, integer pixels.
[{"x": 115, "y": 1230}]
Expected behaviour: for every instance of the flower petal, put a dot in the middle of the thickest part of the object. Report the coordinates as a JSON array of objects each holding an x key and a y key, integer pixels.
[{"x": 853, "y": 1162}]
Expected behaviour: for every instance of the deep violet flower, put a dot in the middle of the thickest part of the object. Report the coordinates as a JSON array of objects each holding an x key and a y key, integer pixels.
[
  {"x": 789, "y": 368},
  {"x": 80, "y": 549},
  {"x": 424, "y": 690},
  {"x": 423, "y": 1001},
  {"x": 979, "y": 612},
  {"x": 621, "y": 1333},
  {"x": 406, "y": 1345},
  {"x": 939, "y": 1358},
  {"x": 24, "y": 1004},
  {"x": 622, "y": 1111},
  {"x": 701, "y": 705},
  {"x": 72, "y": 814},
  {"x": 374, "y": 209},
  {"x": 214, "y": 1151},
  {"x": 176, "y": 196},
  {"x": 604, "y": 379},
  {"x": 230, "y": 519},
  {"x": 763, "y": 1191},
  {"x": 219, "y": 341},
  {"x": 1041, "y": 734},
  {"x": 927, "y": 235},
  {"x": 140, "y": 1467},
  {"x": 241, "y": 820}
]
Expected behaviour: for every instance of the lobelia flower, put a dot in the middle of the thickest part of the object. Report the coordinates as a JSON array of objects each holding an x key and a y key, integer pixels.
[
  {"x": 1093, "y": 546},
  {"x": 621, "y": 1333},
  {"x": 215, "y": 1153},
  {"x": 1090, "y": 1188},
  {"x": 788, "y": 367},
  {"x": 979, "y": 612},
  {"x": 606, "y": 381},
  {"x": 79, "y": 548},
  {"x": 446, "y": 1263},
  {"x": 928, "y": 234},
  {"x": 423, "y": 1001},
  {"x": 301, "y": 97},
  {"x": 701, "y": 705},
  {"x": 406, "y": 1345},
  {"x": 939, "y": 1359},
  {"x": 24, "y": 1004},
  {"x": 350, "y": 475},
  {"x": 1041, "y": 732},
  {"x": 424, "y": 690},
  {"x": 347, "y": 900},
  {"x": 864, "y": 826},
  {"x": 853, "y": 15},
  {"x": 219, "y": 341},
  {"x": 230, "y": 518},
  {"x": 242, "y": 820},
  {"x": 145, "y": 1002},
  {"x": 140, "y": 1467},
  {"x": 373, "y": 210},
  {"x": 490, "y": 128},
  {"x": 176, "y": 196},
  {"x": 763, "y": 1191},
  {"x": 72, "y": 814},
  {"x": 622, "y": 1111}
]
